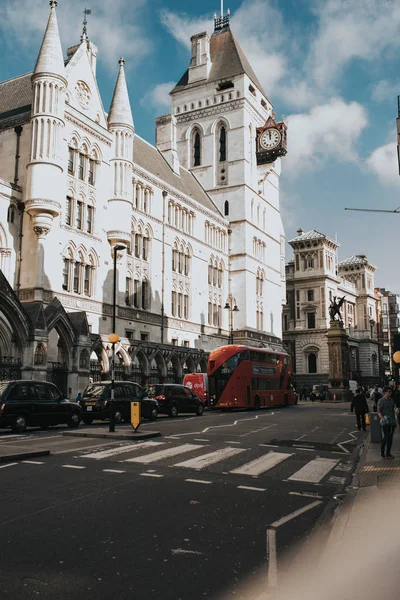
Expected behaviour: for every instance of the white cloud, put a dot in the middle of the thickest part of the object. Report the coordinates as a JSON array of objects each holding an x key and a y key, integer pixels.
[
  {"x": 327, "y": 132},
  {"x": 115, "y": 27},
  {"x": 182, "y": 27},
  {"x": 158, "y": 98},
  {"x": 383, "y": 162},
  {"x": 386, "y": 90}
]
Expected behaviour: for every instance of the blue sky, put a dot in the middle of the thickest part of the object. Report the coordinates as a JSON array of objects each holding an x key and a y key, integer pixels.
[{"x": 331, "y": 66}]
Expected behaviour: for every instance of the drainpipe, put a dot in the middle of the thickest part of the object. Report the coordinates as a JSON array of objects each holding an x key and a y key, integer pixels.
[
  {"x": 164, "y": 194},
  {"x": 18, "y": 131},
  {"x": 21, "y": 208}
]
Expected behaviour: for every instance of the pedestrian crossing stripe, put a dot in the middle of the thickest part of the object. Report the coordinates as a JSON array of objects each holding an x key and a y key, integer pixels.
[
  {"x": 121, "y": 449},
  {"x": 315, "y": 470},
  {"x": 162, "y": 454},
  {"x": 262, "y": 464},
  {"x": 210, "y": 459}
]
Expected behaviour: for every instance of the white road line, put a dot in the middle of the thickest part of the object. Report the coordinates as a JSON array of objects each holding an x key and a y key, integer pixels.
[
  {"x": 210, "y": 459},
  {"x": 295, "y": 514},
  {"x": 344, "y": 449},
  {"x": 272, "y": 576},
  {"x": 8, "y": 465},
  {"x": 72, "y": 467},
  {"x": 305, "y": 495},
  {"x": 172, "y": 437},
  {"x": 33, "y": 462},
  {"x": 269, "y": 445},
  {"x": 262, "y": 464},
  {"x": 302, "y": 436},
  {"x": 151, "y": 475},
  {"x": 200, "y": 440},
  {"x": 167, "y": 453},
  {"x": 315, "y": 470},
  {"x": 112, "y": 471},
  {"x": 198, "y": 481},
  {"x": 231, "y": 442},
  {"x": 306, "y": 449},
  {"x": 252, "y": 489},
  {"x": 258, "y": 430},
  {"x": 120, "y": 450}
]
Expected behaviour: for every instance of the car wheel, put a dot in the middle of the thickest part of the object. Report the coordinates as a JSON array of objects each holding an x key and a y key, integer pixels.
[
  {"x": 199, "y": 410},
  {"x": 19, "y": 424},
  {"x": 153, "y": 414},
  {"x": 118, "y": 417},
  {"x": 173, "y": 411},
  {"x": 87, "y": 420},
  {"x": 74, "y": 420}
]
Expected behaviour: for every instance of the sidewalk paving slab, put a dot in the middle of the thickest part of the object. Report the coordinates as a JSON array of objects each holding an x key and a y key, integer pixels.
[{"x": 132, "y": 436}]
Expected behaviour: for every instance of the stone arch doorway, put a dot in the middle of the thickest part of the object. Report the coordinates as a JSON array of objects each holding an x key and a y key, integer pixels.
[
  {"x": 139, "y": 368},
  {"x": 58, "y": 360},
  {"x": 174, "y": 370},
  {"x": 312, "y": 362},
  {"x": 189, "y": 366},
  {"x": 157, "y": 369},
  {"x": 202, "y": 366}
]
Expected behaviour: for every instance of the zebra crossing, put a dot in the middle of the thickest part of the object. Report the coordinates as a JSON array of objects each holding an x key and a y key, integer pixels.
[{"x": 161, "y": 454}]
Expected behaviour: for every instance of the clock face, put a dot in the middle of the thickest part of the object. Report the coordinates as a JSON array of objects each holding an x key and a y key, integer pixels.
[{"x": 270, "y": 139}]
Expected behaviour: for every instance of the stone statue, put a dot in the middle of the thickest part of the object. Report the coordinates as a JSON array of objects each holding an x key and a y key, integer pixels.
[{"x": 334, "y": 309}]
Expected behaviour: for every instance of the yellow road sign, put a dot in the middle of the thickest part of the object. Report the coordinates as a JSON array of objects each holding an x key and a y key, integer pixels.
[{"x": 135, "y": 415}]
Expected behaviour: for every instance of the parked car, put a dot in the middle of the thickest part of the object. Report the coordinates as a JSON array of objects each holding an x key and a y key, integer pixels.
[
  {"x": 96, "y": 402},
  {"x": 320, "y": 392},
  {"x": 29, "y": 403},
  {"x": 174, "y": 399}
]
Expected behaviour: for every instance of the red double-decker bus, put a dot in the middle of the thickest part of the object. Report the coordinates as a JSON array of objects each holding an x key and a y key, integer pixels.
[{"x": 247, "y": 377}]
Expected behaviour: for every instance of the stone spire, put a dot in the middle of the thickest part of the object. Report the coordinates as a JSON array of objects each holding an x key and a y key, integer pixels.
[
  {"x": 50, "y": 59},
  {"x": 120, "y": 111}
]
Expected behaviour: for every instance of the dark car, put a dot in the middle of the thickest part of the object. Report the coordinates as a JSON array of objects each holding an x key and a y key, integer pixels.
[
  {"x": 96, "y": 402},
  {"x": 173, "y": 399},
  {"x": 27, "y": 403},
  {"x": 320, "y": 392}
]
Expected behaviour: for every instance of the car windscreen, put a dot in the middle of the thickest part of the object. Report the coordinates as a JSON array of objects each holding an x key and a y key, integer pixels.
[{"x": 95, "y": 391}]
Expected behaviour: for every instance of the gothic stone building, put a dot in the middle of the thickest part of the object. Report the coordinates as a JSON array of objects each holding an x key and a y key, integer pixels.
[
  {"x": 194, "y": 223},
  {"x": 313, "y": 278}
]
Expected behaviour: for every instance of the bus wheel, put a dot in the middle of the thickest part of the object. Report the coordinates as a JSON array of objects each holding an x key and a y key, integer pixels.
[
  {"x": 286, "y": 400},
  {"x": 257, "y": 403}
]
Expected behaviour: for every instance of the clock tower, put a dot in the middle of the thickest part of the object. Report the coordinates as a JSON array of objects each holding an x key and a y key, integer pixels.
[{"x": 225, "y": 134}]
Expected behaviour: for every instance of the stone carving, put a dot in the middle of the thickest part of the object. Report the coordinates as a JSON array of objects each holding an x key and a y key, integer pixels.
[
  {"x": 40, "y": 231},
  {"x": 83, "y": 94},
  {"x": 334, "y": 309}
]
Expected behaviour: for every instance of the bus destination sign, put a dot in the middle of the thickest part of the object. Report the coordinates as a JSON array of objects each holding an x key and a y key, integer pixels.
[{"x": 263, "y": 370}]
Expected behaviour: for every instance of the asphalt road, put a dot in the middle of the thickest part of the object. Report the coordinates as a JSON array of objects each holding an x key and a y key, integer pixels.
[{"x": 183, "y": 516}]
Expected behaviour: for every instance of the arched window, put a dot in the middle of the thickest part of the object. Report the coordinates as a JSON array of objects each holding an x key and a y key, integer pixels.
[
  {"x": 226, "y": 208},
  {"x": 174, "y": 259},
  {"x": 210, "y": 273},
  {"x": 312, "y": 362},
  {"x": 196, "y": 149},
  {"x": 222, "y": 144},
  {"x": 84, "y": 359},
  {"x": 40, "y": 355}
]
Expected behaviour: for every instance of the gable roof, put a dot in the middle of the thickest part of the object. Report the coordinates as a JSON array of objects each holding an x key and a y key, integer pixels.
[
  {"x": 228, "y": 60},
  {"x": 16, "y": 94},
  {"x": 356, "y": 259},
  {"x": 150, "y": 159},
  {"x": 311, "y": 235}
]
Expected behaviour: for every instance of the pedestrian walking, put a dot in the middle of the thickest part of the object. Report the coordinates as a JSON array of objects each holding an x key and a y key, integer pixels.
[
  {"x": 386, "y": 412},
  {"x": 302, "y": 393},
  {"x": 375, "y": 396},
  {"x": 396, "y": 400},
  {"x": 360, "y": 407},
  {"x": 79, "y": 397}
]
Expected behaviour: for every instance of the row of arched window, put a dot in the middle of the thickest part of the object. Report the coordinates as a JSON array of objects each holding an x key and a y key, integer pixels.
[
  {"x": 141, "y": 197},
  {"x": 79, "y": 270},
  {"x": 215, "y": 312},
  {"x": 180, "y": 217},
  {"x": 215, "y": 236},
  {"x": 140, "y": 240},
  {"x": 259, "y": 249},
  {"x": 255, "y": 216},
  {"x": 215, "y": 272},
  {"x": 82, "y": 162},
  {"x": 137, "y": 292},
  {"x": 259, "y": 282},
  {"x": 197, "y": 143},
  {"x": 207, "y": 102},
  {"x": 180, "y": 304},
  {"x": 260, "y": 318},
  {"x": 79, "y": 213},
  {"x": 181, "y": 260}
]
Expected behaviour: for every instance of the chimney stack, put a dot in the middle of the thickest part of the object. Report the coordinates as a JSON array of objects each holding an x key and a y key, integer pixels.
[{"x": 166, "y": 140}]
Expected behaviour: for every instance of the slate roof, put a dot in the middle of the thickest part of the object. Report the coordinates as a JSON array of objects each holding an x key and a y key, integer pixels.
[
  {"x": 16, "y": 94},
  {"x": 356, "y": 259},
  {"x": 150, "y": 159},
  {"x": 228, "y": 60},
  {"x": 311, "y": 235}
]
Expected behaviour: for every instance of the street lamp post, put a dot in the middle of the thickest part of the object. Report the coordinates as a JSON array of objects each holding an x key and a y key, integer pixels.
[
  {"x": 113, "y": 337},
  {"x": 232, "y": 307}
]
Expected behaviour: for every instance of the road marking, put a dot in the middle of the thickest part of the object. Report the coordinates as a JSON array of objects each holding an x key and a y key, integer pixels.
[
  {"x": 121, "y": 450},
  {"x": 310, "y": 495},
  {"x": 252, "y": 489},
  {"x": 173, "y": 437},
  {"x": 112, "y": 471},
  {"x": 344, "y": 449},
  {"x": 72, "y": 467},
  {"x": 200, "y": 440},
  {"x": 210, "y": 459},
  {"x": 306, "y": 449},
  {"x": 272, "y": 574},
  {"x": 258, "y": 430},
  {"x": 151, "y": 475},
  {"x": 334, "y": 479},
  {"x": 315, "y": 470},
  {"x": 199, "y": 481},
  {"x": 167, "y": 453},
  {"x": 230, "y": 442},
  {"x": 8, "y": 465},
  {"x": 269, "y": 445},
  {"x": 295, "y": 514},
  {"x": 33, "y": 462},
  {"x": 262, "y": 464},
  {"x": 302, "y": 436}
]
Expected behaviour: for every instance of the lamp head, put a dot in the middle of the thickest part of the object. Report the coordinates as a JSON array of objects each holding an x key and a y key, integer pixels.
[
  {"x": 227, "y": 306},
  {"x": 235, "y": 308}
]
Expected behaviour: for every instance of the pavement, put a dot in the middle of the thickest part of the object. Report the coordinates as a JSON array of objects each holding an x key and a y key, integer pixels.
[{"x": 359, "y": 559}]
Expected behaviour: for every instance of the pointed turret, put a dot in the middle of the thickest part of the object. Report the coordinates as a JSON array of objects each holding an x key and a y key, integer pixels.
[
  {"x": 50, "y": 59},
  {"x": 120, "y": 111}
]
